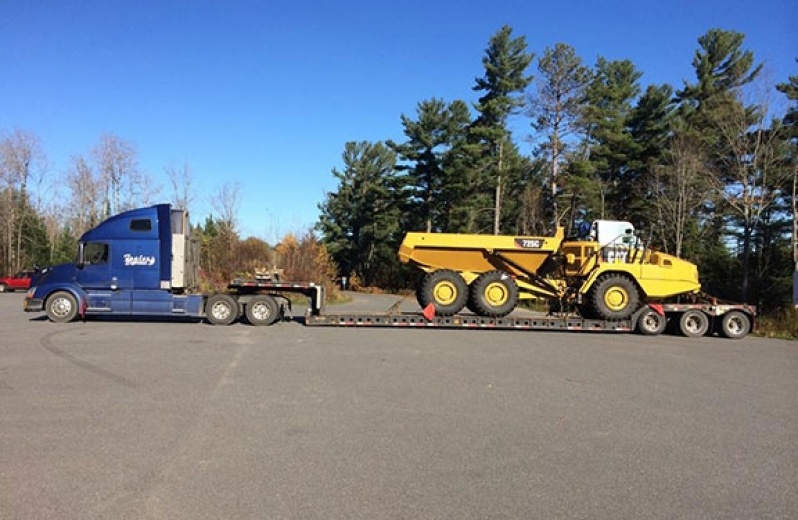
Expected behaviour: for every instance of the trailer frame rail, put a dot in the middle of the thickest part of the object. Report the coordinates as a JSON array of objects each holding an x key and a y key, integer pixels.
[{"x": 463, "y": 321}]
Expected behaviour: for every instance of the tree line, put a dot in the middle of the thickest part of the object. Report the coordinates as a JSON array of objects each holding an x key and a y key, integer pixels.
[{"x": 707, "y": 170}]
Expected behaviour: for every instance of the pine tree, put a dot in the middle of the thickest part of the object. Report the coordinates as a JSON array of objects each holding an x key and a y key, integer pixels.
[
  {"x": 722, "y": 67},
  {"x": 790, "y": 122},
  {"x": 606, "y": 116},
  {"x": 432, "y": 187},
  {"x": 650, "y": 127},
  {"x": 506, "y": 61},
  {"x": 359, "y": 222},
  {"x": 555, "y": 111}
]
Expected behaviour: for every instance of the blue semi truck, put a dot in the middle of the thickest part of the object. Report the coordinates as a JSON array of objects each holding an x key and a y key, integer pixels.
[{"x": 143, "y": 263}]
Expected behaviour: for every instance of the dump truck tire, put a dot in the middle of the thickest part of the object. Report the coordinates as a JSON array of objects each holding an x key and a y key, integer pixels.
[
  {"x": 735, "y": 325},
  {"x": 493, "y": 294},
  {"x": 445, "y": 290},
  {"x": 614, "y": 297},
  {"x": 221, "y": 309}
]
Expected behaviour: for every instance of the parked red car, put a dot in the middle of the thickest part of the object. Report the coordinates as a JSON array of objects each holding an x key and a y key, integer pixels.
[{"x": 18, "y": 282}]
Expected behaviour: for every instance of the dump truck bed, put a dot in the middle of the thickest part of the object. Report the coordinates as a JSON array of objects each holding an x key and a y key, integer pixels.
[{"x": 477, "y": 253}]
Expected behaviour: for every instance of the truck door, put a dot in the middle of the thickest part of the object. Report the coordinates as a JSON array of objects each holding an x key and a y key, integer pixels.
[{"x": 95, "y": 277}]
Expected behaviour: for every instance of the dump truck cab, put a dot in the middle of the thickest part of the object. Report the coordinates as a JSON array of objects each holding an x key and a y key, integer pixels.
[{"x": 610, "y": 271}]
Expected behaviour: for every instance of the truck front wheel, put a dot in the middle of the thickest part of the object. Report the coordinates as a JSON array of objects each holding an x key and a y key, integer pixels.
[
  {"x": 61, "y": 307},
  {"x": 221, "y": 309},
  {"x": 445, "y": 289},
  {"x": 614, "y": 297}
]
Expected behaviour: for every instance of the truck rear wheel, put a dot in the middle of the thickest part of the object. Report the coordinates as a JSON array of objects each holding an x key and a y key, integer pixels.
[
  {"x": 262, "y": 310},
  {"x": 614, "y": 297},
  {"x": 693, "y": 324},
  {"x": 493, "y": 294},
  {"x": 221, "y": 309},
  {"x": 651, "y": 323},
  {"x": 735, "y": 325},
  {"x": 61, "y": 307},
  {"x": 445, "y": 289}
]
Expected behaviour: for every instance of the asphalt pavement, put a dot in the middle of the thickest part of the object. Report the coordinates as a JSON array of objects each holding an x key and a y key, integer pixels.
[{"x": 152, "y": 420}]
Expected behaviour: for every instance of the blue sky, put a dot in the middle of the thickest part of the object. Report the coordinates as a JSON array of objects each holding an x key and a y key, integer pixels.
[{"x": 266, "y": 94}]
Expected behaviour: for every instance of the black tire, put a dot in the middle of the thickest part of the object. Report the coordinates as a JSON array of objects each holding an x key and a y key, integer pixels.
[
  {"x": 61, "y": 307},
  {"x": 493, "y": 294},
  {"x": 614, "y": 297},
  {"x": 262, "y": 310},
  {"x": 221, "y": 309},
  {"x": 735, "y": 325},
  {"x": 651, "y": 323},
  {"x": 445, "y": 289},
  {"x": 693, "y": 324}
]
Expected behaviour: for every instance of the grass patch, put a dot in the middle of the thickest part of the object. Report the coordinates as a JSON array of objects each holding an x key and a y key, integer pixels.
[{"x": 783, "y": 324}]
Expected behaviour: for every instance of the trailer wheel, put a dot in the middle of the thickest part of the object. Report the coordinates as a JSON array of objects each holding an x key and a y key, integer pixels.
[
  {"x": 221, "y": 309},
  {"x": 735, "y": 325},
  {"x": 651, "y": 323},
  {"x": 262, "y": 310},
  {"x": 445, "y": 289},
  {"x": 493, "y": 294},
  {"x": 61, "y": 307},
  {"x": 693, "y": 324},
  {"x": 614, "y": 297}
]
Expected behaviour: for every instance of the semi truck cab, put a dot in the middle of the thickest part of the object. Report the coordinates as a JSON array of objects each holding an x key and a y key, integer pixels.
[{"x": 140, "y": 262}]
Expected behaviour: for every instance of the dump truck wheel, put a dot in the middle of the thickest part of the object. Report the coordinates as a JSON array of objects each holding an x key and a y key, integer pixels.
[
  {"x": 494, "y": 294},
  {"x": 735, "y": 325},
  {"x": 651, "y": 323},
  {"x": 445, "y": 289},
  {"x": 61, "y": 307},
  {"x": 262, "y": 310},
  {"x": 615, "y": 297},
  {"x": 221, "y": 309},
  {"x": 693, "y": 324}
]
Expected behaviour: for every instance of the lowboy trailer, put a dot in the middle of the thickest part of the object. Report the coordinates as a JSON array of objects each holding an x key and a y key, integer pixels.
[{"x": 143, "y": 263}]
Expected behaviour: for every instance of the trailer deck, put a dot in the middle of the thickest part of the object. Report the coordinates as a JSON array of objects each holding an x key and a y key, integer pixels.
[{"x": 462, "y": 321}]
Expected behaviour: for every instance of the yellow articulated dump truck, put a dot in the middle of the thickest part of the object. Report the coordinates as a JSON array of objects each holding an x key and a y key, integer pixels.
[{"x": 605, "y": 274}]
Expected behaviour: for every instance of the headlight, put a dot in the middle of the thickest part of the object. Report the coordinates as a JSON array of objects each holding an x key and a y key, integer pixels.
[{"x": 31, "y": 292}]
